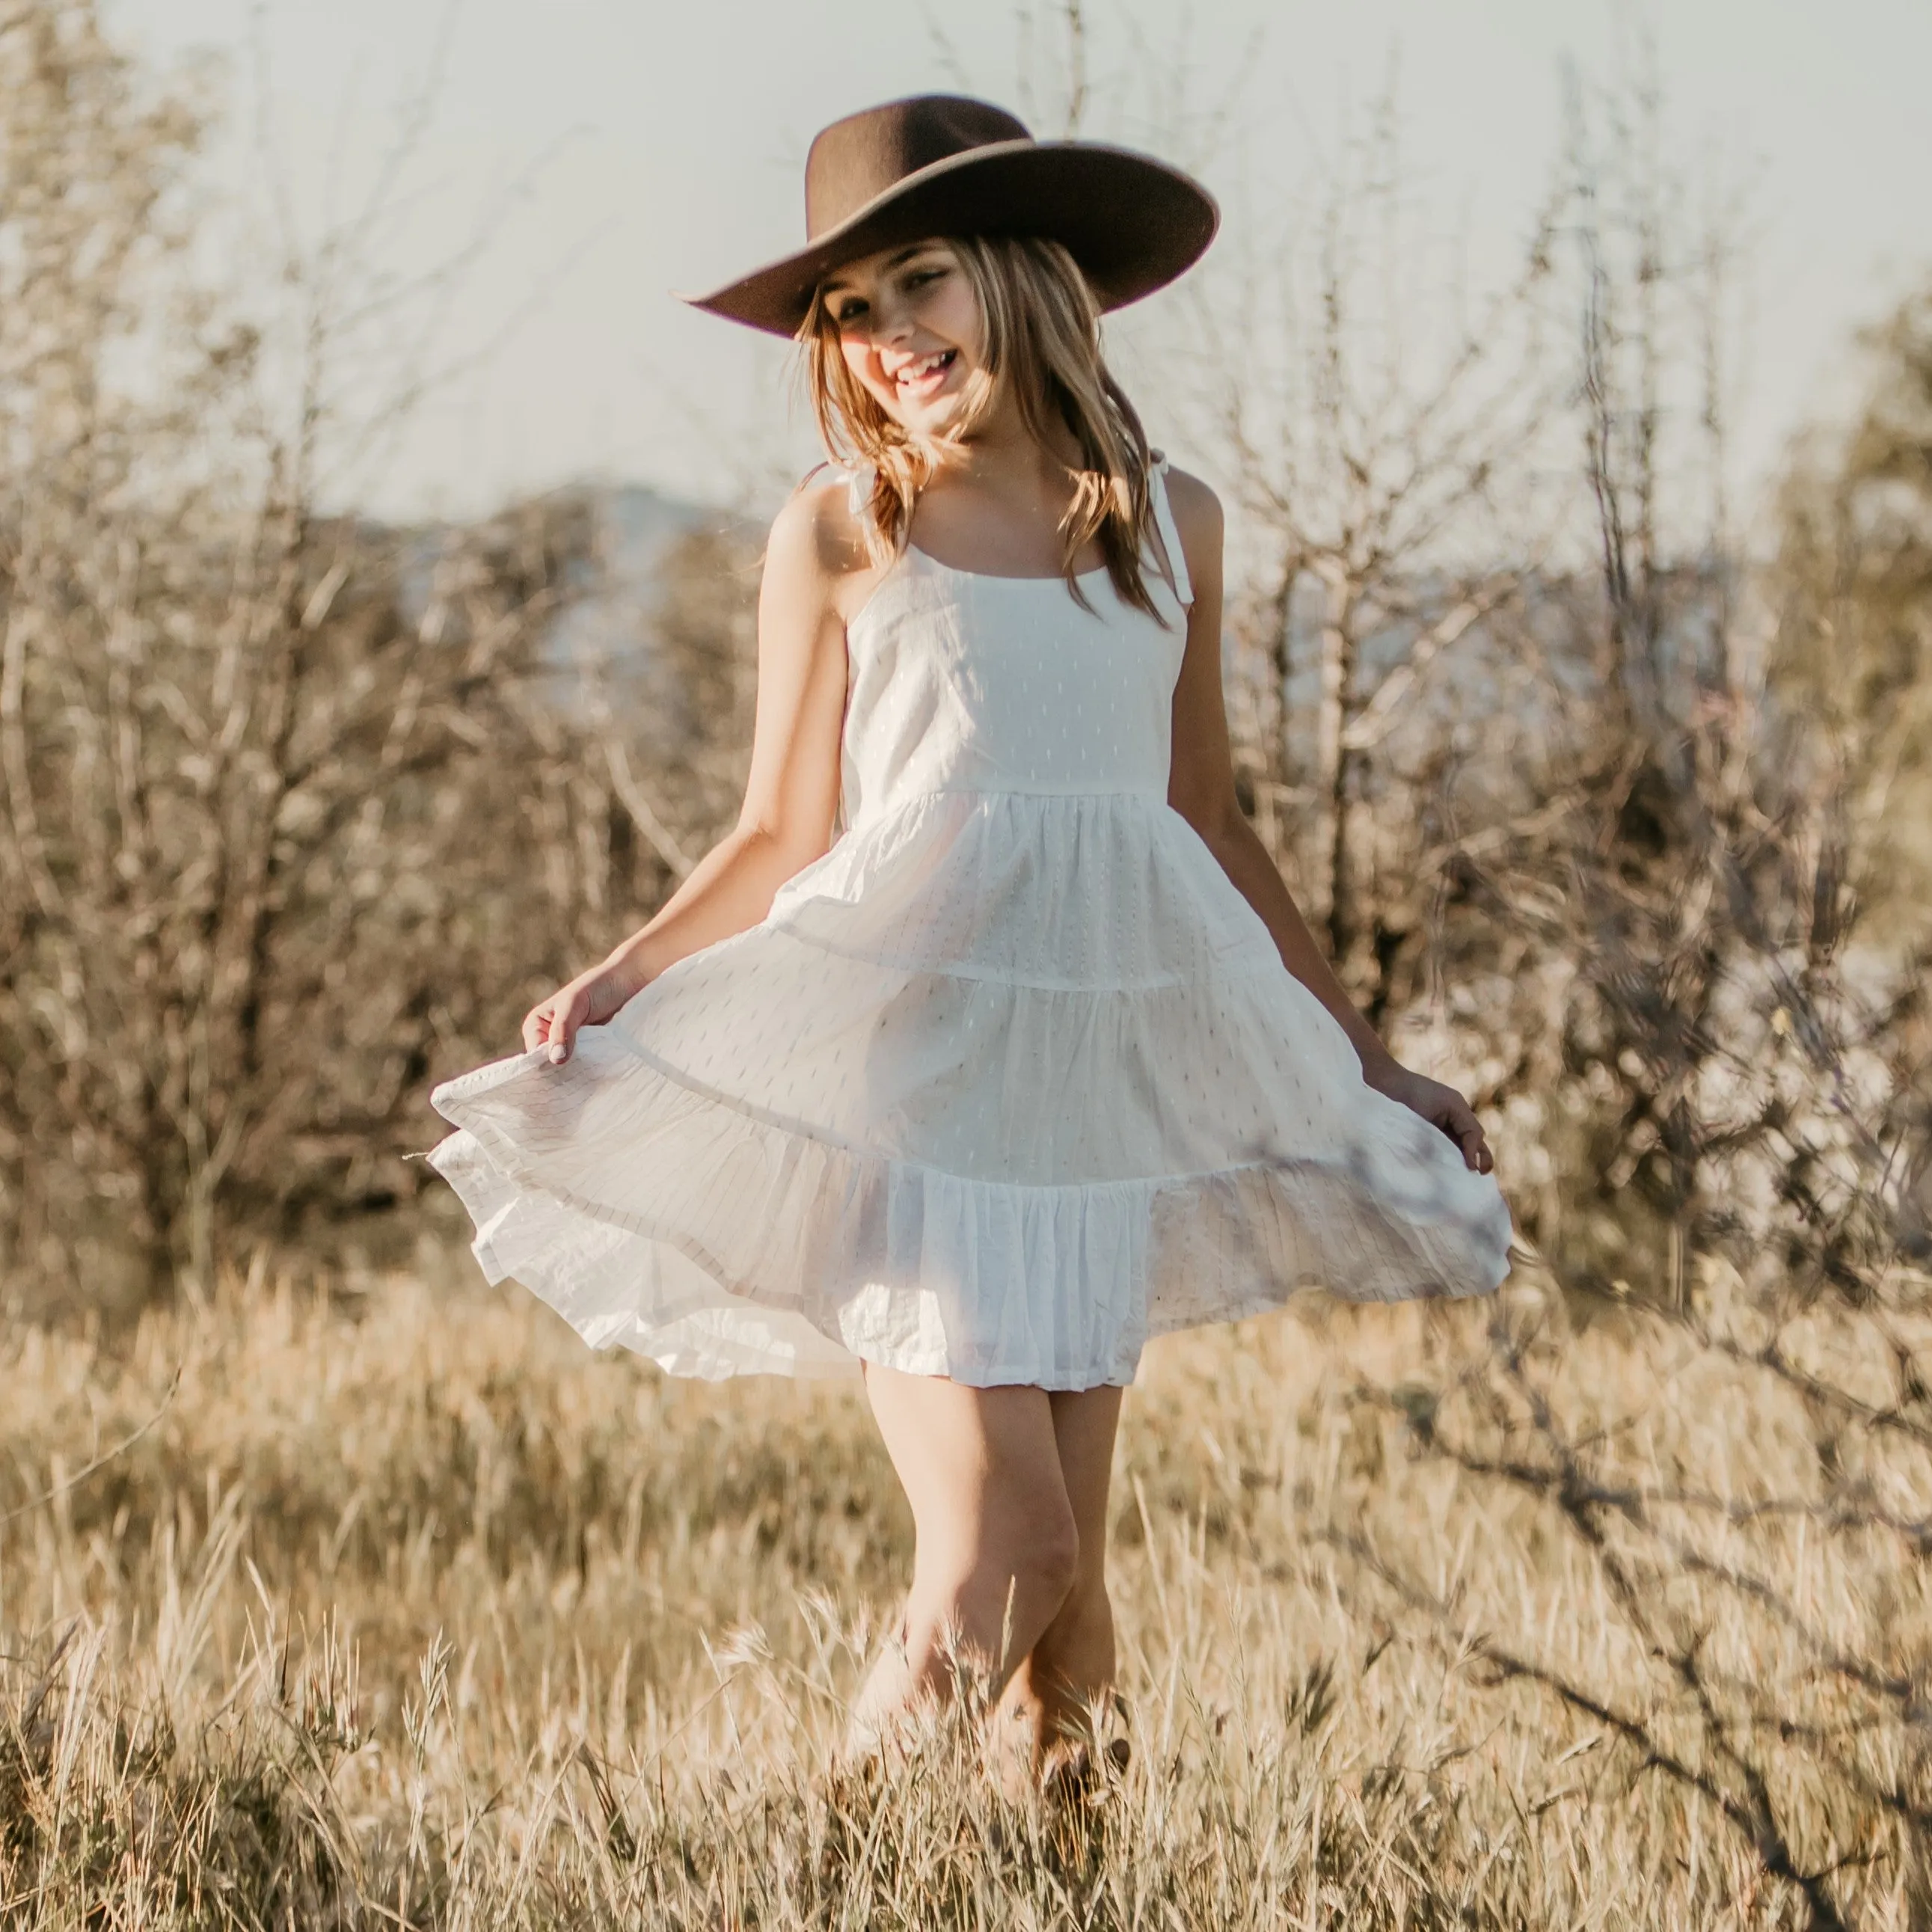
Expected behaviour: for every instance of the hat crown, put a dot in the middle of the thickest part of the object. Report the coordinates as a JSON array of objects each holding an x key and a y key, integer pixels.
[{"x": 855, "y": 161}]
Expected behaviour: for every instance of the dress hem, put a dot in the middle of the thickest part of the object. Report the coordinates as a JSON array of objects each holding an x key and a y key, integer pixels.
[{"x": 1147, "y": 1237}]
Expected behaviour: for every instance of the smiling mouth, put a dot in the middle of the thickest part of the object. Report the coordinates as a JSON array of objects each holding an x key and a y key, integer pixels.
[{"x": 927, "y": 374}]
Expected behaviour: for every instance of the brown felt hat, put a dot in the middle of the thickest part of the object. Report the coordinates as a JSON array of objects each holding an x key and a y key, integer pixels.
[{"x": 941, "y": 164}]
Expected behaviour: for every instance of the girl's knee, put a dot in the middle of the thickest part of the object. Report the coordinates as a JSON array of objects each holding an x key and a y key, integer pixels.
[
  {"x": 1054, "y": 1553},
  {"x": 1085, "y": 1612},
  {"x": 1040, "y": 1557},
  {"x": 1035, "y": 1552}
]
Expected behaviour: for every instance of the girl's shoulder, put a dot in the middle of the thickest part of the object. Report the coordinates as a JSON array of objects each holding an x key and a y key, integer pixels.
[
  {"x": 820, "y": 525},
  {"x": 1196, "y": 508},
  {"x": 1198, "y": 521}
]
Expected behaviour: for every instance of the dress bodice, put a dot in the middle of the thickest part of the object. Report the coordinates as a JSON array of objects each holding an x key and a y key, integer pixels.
[{"x": 963, "y": 682}]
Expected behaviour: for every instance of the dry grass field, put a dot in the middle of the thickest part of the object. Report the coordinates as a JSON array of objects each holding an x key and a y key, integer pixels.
[{"x": 382, "y": 1602}]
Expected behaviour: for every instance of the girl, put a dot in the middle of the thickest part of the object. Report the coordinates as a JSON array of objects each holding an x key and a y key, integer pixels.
[{"x": 1035, "y": 1057}]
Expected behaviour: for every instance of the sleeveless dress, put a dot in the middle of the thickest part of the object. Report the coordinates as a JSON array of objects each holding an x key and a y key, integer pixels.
[{"x": 1009, "y": 1080}]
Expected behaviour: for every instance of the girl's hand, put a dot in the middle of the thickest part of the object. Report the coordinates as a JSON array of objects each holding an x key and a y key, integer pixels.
[
  {"x": 589, "y": 1000},
  {"x": 1442, "y": 1106}
]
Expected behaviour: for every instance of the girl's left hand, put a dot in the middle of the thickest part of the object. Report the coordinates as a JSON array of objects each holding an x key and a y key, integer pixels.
[{"x": 1441, "y": 1106}]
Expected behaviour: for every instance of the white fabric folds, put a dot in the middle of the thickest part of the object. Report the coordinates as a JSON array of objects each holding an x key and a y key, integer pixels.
[{"x": 1009, "y": 1081}]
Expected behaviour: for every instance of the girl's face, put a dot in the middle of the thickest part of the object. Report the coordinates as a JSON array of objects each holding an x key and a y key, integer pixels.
[{"x": 911, "y": 331}]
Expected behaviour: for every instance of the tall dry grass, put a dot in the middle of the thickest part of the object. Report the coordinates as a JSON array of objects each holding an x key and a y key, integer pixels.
[{"x": 388, "y": 1604}]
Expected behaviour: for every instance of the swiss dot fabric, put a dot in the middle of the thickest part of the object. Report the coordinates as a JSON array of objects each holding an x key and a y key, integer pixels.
[{"x": 1010, "y": 1079}]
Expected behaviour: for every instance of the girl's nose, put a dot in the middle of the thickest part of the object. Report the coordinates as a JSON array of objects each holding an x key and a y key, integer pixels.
[{"x": 892, "y": 321}]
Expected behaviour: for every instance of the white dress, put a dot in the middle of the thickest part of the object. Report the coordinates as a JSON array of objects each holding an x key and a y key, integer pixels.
[{"x": 1010, "y": 1079}]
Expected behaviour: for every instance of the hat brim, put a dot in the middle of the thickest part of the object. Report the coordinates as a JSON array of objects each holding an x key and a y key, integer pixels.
[{"x": 1133, "y": 223}]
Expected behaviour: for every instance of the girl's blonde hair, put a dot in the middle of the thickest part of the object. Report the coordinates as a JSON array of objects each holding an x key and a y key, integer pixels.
[{"x": 1042, "y": 337}]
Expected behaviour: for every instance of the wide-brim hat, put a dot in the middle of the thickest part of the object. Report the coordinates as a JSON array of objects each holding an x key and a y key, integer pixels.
[{"x": 942, "y": 164}]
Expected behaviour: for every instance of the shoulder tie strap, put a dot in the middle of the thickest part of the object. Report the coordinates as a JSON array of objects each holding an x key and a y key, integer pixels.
[
  {"x": 858, "y": 480},
  {"x": 1170, "y": 536}
]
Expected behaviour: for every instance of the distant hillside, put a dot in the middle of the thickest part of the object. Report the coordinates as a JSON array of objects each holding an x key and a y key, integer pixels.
[
  {"x": 637, "y": 527},
  {"x": 640, "y": 523}
]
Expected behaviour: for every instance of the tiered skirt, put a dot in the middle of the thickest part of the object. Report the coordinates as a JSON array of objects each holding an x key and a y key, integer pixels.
[{"x": 1004, "y": 1085}]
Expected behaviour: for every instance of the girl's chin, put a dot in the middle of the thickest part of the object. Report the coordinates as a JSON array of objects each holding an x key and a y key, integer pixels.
[{"x": 927, "y": 418}]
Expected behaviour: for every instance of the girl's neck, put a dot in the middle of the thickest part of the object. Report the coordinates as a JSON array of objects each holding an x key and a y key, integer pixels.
[
  {"x": 1001, "y": 449},
  {"x": 1004, "y": 452}
]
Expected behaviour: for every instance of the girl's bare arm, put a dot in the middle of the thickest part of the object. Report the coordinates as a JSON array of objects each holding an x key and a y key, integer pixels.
[
  {"x": 1200, "y": 788},
  {"x": 791, "y": 793}
]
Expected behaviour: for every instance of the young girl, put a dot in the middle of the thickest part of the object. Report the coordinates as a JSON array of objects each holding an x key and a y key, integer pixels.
[{"x": 1035, "y": 1057}]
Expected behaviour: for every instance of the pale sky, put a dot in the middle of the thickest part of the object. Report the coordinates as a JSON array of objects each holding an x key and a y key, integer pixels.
[{"x": 647, "y": 147}]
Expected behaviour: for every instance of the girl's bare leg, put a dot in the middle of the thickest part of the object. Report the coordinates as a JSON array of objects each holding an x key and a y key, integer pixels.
[
  {"x": 1008, "y": 1487},
  {"x": 1072, "y": 1661}
]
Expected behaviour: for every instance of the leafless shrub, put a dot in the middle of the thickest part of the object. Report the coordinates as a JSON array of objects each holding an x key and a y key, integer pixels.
[
  {"x": 1801, "y": 1716},
  {"x": 294, "y": 818},
  {"x": 1740, "y": 1095},
  {"x": 1853, "y": 649},
  {"x": 1385, "y": 420}
]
